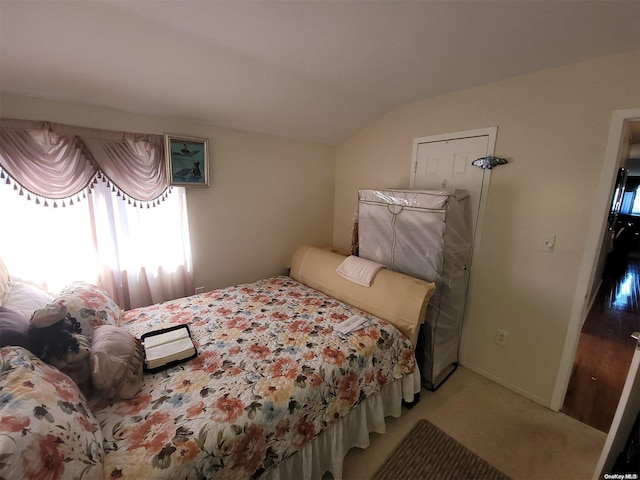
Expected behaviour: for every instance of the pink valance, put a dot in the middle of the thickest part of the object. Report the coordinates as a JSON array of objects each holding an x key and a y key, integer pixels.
[{"x": 57, "y": 162}]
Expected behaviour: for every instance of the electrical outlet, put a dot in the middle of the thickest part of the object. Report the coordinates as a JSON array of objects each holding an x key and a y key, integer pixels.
[
  {"x": 199, "y": 290},
  {"x": 501, "y": 338}
]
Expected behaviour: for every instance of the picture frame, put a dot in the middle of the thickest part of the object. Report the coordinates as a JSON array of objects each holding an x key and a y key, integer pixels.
[{"x": 187, "y": 160}]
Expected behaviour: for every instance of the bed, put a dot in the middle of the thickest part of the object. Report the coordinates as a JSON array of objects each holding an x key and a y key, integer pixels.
[{"x": 275, "y": 391}]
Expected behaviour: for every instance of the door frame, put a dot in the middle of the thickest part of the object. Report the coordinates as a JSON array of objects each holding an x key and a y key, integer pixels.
[
  {"x": 593, "y": 244},
  {"x": 491, "y": 133}
]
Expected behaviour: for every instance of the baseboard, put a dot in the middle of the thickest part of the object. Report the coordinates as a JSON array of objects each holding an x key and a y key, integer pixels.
[{"x": 523, "y": 393}]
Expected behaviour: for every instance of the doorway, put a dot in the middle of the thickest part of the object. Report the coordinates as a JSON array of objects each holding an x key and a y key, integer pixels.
[
  {"x": 598, "y": 346},
  {"x": 606, "y": 348}
]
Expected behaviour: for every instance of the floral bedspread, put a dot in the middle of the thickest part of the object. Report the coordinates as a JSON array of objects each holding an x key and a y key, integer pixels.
[
  {"x": 270, "y": 375},
  {"x": 47, "y": 431}
]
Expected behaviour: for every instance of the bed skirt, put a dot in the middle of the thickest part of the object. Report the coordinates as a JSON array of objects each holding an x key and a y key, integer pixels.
[{"x": 326, "y": 452}]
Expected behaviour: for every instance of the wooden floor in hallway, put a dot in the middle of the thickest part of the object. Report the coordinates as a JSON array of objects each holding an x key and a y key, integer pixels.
[{"x": 605, "y": 347}]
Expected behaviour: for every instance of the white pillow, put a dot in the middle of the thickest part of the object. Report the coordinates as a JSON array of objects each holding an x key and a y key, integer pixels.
[
  {"x": 26, "y": 299},
  {"x": 116, "y": 362}
]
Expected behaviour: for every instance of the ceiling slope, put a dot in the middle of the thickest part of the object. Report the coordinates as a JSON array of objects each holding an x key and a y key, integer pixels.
[{"x": 311, "y": 70}]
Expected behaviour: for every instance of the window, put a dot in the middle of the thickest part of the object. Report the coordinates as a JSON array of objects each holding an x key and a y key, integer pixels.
[
  {"x": 51, "y": 246},
  {"x": 631, "y": 200},
  {"x": 55, "y": 246},
  {"x": 119, "y": 226},
  {"x": 635, "y": 209}
]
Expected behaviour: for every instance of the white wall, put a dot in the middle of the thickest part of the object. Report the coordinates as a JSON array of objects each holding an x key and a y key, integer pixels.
[
  {"x": 553, "y": 126},
  {"x": 267, "y": 196},
  {"x": 270, "y": 194}
]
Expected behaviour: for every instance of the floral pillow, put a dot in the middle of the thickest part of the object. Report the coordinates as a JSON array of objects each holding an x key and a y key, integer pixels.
[
  {"x": 90, "y": 306},
  {"x": 46, "y": 427}
]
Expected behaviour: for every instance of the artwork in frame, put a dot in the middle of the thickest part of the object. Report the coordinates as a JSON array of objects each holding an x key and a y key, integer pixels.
[{"x": 187, "y": 160}]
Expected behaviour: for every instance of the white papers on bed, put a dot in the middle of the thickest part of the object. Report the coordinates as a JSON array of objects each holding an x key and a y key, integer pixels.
[
  {"x": 168, "y": 347},
  {"x": 354, "y": 322},
  {"x": 359, "y": 270},
  {"x": 167, "y": 352},
  {"x": 166, "y": 337}
]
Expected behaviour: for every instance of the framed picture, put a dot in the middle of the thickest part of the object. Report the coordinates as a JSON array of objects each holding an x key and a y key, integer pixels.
[{"x": 187, "y": 160}]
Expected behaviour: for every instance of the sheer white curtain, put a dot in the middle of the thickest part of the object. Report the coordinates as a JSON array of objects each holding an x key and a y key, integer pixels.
[
  {"x": 144, "y": 254},
  {"x": 139, "y": 255}
]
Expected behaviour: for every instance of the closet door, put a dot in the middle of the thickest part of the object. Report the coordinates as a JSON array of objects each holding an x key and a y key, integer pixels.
[{"x": 444, "y": 162}]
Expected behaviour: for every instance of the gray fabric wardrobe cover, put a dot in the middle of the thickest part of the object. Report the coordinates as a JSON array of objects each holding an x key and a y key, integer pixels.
[{"x": 425, "y": 234}]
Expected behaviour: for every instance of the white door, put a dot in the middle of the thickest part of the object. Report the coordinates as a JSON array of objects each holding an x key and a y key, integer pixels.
[
  {"x": 623, "y": 421},
  {"x": 443, "y": 162}
]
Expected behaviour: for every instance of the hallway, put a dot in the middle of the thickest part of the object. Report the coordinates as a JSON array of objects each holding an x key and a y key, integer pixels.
[{"x": 605, "y": 347}]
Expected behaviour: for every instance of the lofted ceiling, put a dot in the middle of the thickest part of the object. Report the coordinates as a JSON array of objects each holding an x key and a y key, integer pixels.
[{"x": 311, "y": 70}]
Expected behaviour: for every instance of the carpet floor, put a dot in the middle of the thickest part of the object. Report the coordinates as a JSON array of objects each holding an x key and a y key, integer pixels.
[
  {"x": 519, "y": 437},
  {"x": 429, "y": 453}
]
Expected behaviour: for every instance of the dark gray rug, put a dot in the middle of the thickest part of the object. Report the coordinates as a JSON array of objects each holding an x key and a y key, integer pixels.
[{"x": 429, "y": 453}]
